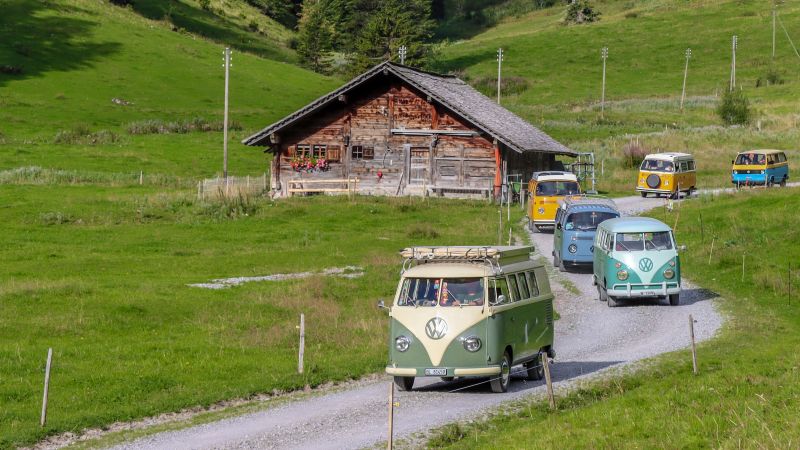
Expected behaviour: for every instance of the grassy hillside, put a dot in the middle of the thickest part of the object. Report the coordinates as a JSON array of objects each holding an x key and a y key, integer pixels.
[
  {"x": 75, "y": 56},
  {"x": 746, "y": 394},
  {"x": 556, "y": 70}
]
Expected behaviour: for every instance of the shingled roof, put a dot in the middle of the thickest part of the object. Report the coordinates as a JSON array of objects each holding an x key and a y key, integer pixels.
[{"x": 452, "y": 93}]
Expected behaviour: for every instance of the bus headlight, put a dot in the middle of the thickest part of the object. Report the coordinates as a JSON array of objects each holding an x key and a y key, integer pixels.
[
  {"x": 472, "y": 343},
  {"x": 763, "y": 172},
  {"x": 622, "y": 275},
  {"x": 572, "y": 248},
  {"x": 401, "y": 343},
  {"x": 541, "y": 210},
  {"x": 669, "y": 273}
]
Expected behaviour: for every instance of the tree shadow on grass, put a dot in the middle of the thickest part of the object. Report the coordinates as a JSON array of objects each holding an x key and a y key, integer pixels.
[
  {"x": 34, "y": 39},
  {"x": 205, "y": 23}
]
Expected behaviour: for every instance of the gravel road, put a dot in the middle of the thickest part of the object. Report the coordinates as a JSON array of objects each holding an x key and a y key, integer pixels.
[{"x": 590, "y": 337}]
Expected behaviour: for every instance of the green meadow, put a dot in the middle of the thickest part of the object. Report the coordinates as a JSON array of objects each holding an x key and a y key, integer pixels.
[{"x": 746, "y": 393}]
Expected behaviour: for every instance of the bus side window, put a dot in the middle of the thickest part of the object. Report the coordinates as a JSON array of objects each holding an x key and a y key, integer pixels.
[
  {"x": 513, "y": 288},
  {"x": 497, "y": 288},
  {"x": 523, "y": 286},
  {"x": 781, "y": 157},
  {"x": 534, "y": 287},
  {"x": 691, "y": 165}
]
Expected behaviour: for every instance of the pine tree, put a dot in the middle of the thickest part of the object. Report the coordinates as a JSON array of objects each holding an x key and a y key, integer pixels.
[
  {"x": 314, "y": 40},
  {"x": 394, "y": 23}
]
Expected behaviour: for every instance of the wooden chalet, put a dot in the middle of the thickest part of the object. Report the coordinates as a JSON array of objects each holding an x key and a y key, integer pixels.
[{"x": 404, "y": 131}]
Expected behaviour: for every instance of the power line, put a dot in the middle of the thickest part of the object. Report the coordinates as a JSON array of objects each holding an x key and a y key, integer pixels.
[{"x": 789, "y": 38}]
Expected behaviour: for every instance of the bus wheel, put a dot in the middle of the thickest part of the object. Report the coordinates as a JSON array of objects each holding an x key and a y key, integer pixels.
[
  {"x": 404, "y": 383},
  {"x": 601, "y": 293},
  {"x": 675, "y": 299},
  {"x": 783, "y": 182},
  {"x": 448, "y": 379},
  {"x": 500, "y": 383},
  {"x": 535, "y": 368},
  {"x": 612, "y": 302},
  {"x": 643, "y": 193}
]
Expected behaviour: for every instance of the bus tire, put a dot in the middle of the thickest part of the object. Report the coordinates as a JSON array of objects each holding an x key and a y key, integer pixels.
[
  {"x": 612, "y": 302},
  {"x": 404, "y": 383},
  {"x": 783, "y": 182},
  {"x": 675, "y": 299},
  {"x": 499, "y": 384},
  {"x": 601, "y": 294},
  {"x": 448, "y": 379},
  {"x": 535, "y": 369},
  {"x": 644, "y": 194},
  {"x": 561, "y": 266}
]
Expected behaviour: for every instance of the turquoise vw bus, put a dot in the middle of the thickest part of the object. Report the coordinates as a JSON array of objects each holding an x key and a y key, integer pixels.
[
  {"x": 577, "y": 219},
  {"x": 636, "y": 257},
  {"x": 470, "y": 312}
]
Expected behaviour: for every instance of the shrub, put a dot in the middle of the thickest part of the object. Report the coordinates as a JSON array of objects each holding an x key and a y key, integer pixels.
[
  {"x": 733, "y": 108},
  {"x": 122, "y": 2},
  {"x": 11, "y": 70},
  {"x": 508, "y": 85},
  {"x": 772, "y": 77},
  {"x": 81, "y": 134},
  {"x": 633, "y": 154},
  {"x": 55, "y": 218},
  {"x": 581, "y": 11},
  {"x": 425, "y": 231},
  {"x": 205, "y": 4},
  {"x": 156, "y": 126}
]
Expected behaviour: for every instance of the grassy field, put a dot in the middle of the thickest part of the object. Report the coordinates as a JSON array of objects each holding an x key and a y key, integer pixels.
[
  {"x": 746, "y": 395},
  {"x": 100, "y": 274},
  {"x": 559, "y": 69},
  {"x": 78, "y": 55}
]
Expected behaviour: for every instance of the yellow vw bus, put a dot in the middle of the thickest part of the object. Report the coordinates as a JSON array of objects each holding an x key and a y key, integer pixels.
[
  {"x": 470, "y": 312},
  {"x": 546, "y": 190},
  {"x": 667, "y": 174}
]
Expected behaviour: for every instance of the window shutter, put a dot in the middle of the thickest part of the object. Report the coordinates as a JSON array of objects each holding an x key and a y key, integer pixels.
[{"x": 334, "y": 153}]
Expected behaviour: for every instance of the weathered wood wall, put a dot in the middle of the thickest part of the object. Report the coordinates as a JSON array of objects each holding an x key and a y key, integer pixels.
[{"x": 403, "y": 162}]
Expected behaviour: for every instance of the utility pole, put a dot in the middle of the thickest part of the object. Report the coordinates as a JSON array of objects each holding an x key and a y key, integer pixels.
[
  {"x": 734, "y": 44},
  {"x": 499, "y": 69},
  {"x": 402, "y": 51},
  {"x": 685, "y": 73},
  {"x": 604, "y": 56},
  {"x": 227, "y": 66},
  {"x": 774, "y": 16}
]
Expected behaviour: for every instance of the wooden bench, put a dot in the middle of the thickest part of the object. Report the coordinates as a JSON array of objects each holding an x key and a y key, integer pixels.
[
  {"x": 306, "y": 186},
  {"x": 441, "y": 190}
]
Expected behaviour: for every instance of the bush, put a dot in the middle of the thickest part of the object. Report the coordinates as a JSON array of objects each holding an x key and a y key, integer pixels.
[
  {"x": 508, "y": 85},
  {"x": 633, "y": 154},
  {"x": 733, "y": 108},
  {"x": 156, "y": 126},
  {"x": 772, "y": 77},
  {"x": 11, "y": 70},
  {"x": 81, "y": 134},
  {"x": 205, "y": 4},
  {"x": 581, "y": 11}
]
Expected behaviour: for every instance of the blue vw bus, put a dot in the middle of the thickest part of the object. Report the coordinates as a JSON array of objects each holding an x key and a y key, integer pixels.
[
  {"x": 760, "y": 167},
  {"x": 577, "y": 219},
  {"x": 636, "y": 257}
]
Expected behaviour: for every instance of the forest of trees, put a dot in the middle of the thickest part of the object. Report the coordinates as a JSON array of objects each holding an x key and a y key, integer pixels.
[{"x": 349, "y": 36}]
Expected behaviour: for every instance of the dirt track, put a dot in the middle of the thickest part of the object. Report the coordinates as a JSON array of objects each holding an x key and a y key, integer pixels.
[{"x": 590, "y": 337}]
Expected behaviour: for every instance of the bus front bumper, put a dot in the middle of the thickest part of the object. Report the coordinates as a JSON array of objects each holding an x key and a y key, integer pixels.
[
  {"x": 451, "y": 371},
  {"x": 654, "y": 191},
  {"x": 635, "y": 290},
  {"x": 753, "y": 179}
]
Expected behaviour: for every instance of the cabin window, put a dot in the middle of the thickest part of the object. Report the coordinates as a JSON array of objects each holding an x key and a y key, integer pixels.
[
  {"x": 691, "y": 166},
  {"x": 512, "y": 284},
  {"x": 302, "y": 150},
  {"x": 362, "y": 152},
  {"x": 334, "y": 153},
  {"x": 781, "y": 157},
  {"x": 534, "y": 287},
  {"x": 523, "y": 286},
  {"x": 683, "y": 167},
  {"x": 319, "y": 151}
]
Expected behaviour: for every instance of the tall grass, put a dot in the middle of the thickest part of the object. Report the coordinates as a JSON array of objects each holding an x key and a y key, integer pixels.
[
  {"x": 38, "y": 175},
  {"x": 156, "y": 126}
]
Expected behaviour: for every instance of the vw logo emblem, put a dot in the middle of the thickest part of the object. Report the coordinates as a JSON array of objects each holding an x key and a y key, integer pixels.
[
  {"x": 646, "y": 264},
  {"x": 436, "y": 328}
]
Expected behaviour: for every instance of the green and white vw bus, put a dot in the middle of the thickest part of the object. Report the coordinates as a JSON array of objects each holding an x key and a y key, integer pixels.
[
  {"x": 636, "y": 257},
  {"x": 470, "y": 312}
]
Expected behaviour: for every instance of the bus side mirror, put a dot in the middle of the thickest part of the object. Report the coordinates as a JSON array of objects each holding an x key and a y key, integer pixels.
[
  {"x": 732, "y": 161},
  {"x": 501, "y": 299},
  {"x": 558, "y": 225},
  {"x": 381, "y": 305},
  {"x": 682, "y": 248}
]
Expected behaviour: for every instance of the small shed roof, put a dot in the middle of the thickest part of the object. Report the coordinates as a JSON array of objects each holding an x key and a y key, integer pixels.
[{"x": 452, "y": 93}]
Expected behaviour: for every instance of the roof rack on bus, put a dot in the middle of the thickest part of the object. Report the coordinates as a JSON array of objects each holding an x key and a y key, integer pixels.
[
  {"x": 587, "y": 199},
  {"x": 494, "y": 256}
]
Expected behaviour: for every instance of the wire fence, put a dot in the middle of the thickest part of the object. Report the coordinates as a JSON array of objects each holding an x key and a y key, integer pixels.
[{"x": 220, "y": 187}]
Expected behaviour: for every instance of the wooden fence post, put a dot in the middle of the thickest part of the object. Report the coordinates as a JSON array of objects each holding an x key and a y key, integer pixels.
[
  {"x": 391, "y": 416},
  {"x": 43, "y": 420},
  {"x": 548, "y": 380},
  {"x": 141, "y": 177},
  {"x": 694, "y": 349},
  {"x": 712, "y": 249},
  {"x": 302, "y": 343}
]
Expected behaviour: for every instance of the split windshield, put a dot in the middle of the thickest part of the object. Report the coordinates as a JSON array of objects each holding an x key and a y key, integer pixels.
[
  {"x": 657, "y": 165},
  {"x": 634, "y": 242},
  {"x": 441, "y": 291},
  {"x": 547, "y": 188},
  {"x": 750, "y": 159},
  {"x": 587, "y": 221}
]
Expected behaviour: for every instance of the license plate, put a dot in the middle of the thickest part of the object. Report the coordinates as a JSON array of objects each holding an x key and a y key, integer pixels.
[
  {"x": 436, "y": 372},
  {"x": 649, "y": 293}
]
